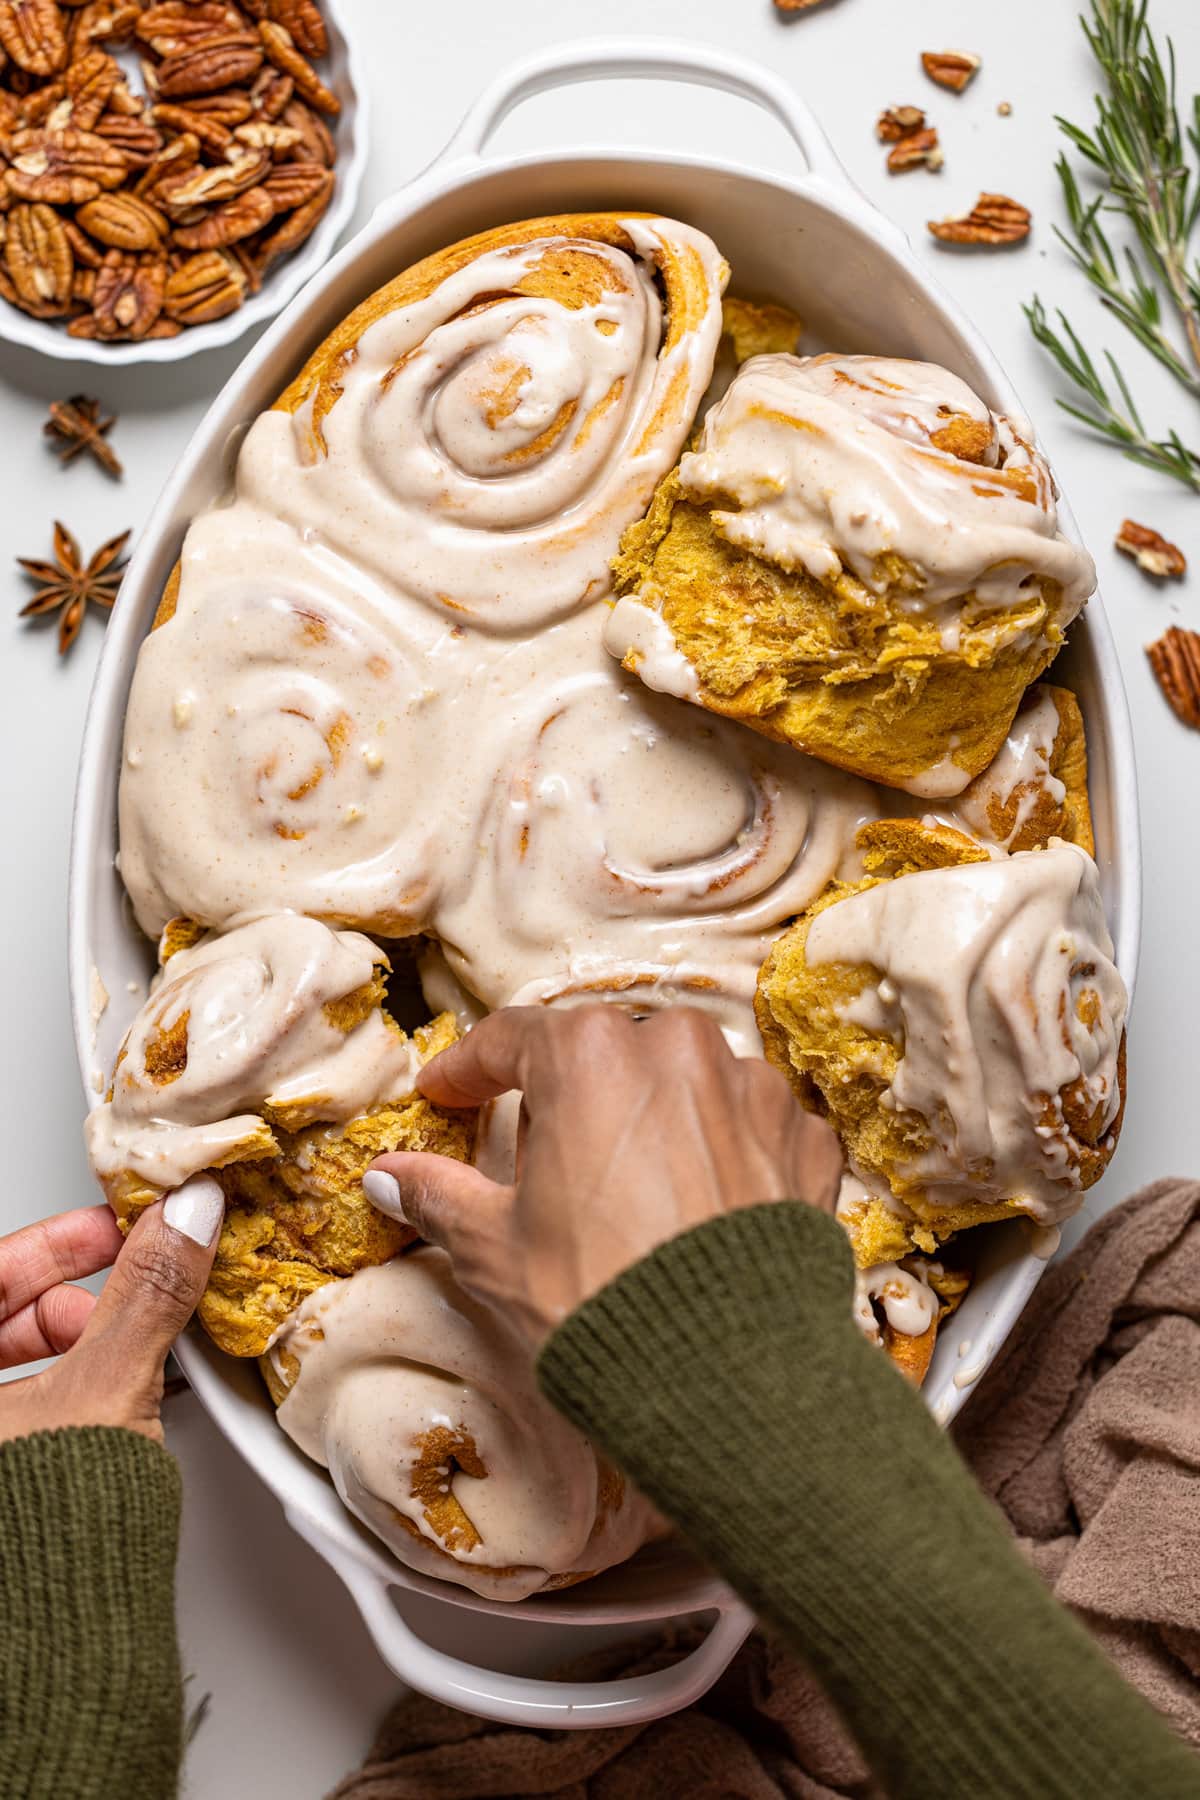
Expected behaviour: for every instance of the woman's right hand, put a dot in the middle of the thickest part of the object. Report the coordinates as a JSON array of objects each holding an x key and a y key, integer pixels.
[{"x": 635, "y": 1131}]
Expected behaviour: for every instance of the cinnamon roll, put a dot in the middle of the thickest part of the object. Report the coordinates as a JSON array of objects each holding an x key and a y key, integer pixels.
[
  {"x": 423, "y": 1404},
  {"x": 266, "y": 1056},
  {"x": 859, "y": 559},
  {"x": 451, "y": 471},
  {"x": 962, "y": 1027}
]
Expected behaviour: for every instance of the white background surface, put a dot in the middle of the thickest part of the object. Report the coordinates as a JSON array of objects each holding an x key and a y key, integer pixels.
[{"x": 296, "y": 1686}]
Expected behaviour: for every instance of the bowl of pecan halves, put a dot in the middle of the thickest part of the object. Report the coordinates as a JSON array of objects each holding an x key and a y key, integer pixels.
[{"x": 171, "y": 173}]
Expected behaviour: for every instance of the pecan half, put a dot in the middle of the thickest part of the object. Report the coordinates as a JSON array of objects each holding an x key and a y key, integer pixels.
[
  {"x": 295, "y": 227},
  {"x": 238, "y": 218},
  {"x": 182, "y": 153},
  {"x": 264, "y": 134},
  {"x": 277, "y": 42},
  {"x": 173, "y": 27},
  {"x": 124, "y": 222},
  {"x": 950, "y": 68},
  {"x": 1151, "y": 551},
  {"x": 293, "y": 184},
  {"x": 316, "y": 143},
  {"x": 136, "y": 139},
  {"x": 129, "y": 294},
  {"x": 89, "y": 82},
  {"x": 103, "y": 22},
  {"x": 211, "y": 133},
  {"x": 920, "y": 149},
  {"x": 217, "y": 63},
  {"x": 228, "y": 109},
  {"x": 203, "y": 186},
  {"x": 899, "y": 122},
  {"x": 304, "y": 22},
  {"x": 31, "y": 33},
  {"x": 1175, "y": 660},
  {"x": 994, "y": 219},
  {"x": 205, "y": 287},
  {"x": 38, "y": 255},
  {"x": 271, "y": 92},
  {"x": 63, "y": 167}
]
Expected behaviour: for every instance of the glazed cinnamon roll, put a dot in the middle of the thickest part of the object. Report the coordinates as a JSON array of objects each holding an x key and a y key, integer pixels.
[
  {"x": 962, "y": 1027},
  {"x": 267, "y": 1057},
  {"x": 423, "y": 1404},
  {"x": 451, "y": 472},
  {"x": 859, "y": 559},
  {"x": 901, "y": 1307}
]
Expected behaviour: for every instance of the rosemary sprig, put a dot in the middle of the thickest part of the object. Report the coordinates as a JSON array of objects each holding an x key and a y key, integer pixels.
[
  {"x": 1139, "y": 148},
  {"x": 1120, "y": 422}
]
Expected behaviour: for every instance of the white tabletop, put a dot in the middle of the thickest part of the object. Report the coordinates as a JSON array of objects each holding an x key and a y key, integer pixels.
[{"x": 296, "y": 1686}]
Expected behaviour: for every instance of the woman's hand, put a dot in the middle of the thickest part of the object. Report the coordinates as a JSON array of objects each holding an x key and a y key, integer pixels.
[
  {"x": 111, "y": 1349},
  {"x": 635, "y": 1131}
]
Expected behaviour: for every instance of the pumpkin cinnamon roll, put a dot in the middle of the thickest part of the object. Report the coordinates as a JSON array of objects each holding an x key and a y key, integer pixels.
[
  {"x": 451, "y": 470},
  {"x": 860, "y": 559},
  {"x": 267, "y": 1057},
  {"x": 961, "y": 1024},
  {"x": 424, "y": 1406}
]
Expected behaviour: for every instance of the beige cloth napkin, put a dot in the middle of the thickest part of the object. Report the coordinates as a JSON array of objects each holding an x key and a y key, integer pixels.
[{"x": 1086, "y": 1430}]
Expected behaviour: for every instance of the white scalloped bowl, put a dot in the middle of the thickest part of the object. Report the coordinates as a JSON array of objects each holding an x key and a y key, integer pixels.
[
  {"x": 810, "y": 239},
  {"x": 341, "y": 71}
]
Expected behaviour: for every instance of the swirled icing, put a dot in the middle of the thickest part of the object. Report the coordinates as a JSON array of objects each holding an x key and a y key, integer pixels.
[
  {"x": 997, "y": 983},
  {"x": 838, "y": 461},
  {"x": 410, "y": 1392},
  {"x": 253, "y": 1021}
]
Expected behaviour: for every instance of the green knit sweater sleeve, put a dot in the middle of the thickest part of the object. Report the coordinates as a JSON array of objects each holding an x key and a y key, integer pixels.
[
  {"x": 725, "y": 1375},
  {"x": 90, "y": 1691}
]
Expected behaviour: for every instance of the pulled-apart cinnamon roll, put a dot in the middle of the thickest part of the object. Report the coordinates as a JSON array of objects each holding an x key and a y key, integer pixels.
[
  {"x": 859, "y": 559},
  {"x": 266, "y": 1057}
]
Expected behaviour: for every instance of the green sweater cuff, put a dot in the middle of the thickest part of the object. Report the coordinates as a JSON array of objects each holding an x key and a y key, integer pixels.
[
  {"x": 724, "y": 1373},
  {"x": 90, "y": 1693}
]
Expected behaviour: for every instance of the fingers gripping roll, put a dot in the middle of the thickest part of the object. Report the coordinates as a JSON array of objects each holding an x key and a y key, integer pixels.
[
  {"x": 267, "y": 1056},
  {"x": 424, "y": 1406}
]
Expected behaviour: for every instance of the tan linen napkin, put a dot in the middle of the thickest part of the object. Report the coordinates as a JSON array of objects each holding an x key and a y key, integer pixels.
[{"x": 1086, "y": 1431}]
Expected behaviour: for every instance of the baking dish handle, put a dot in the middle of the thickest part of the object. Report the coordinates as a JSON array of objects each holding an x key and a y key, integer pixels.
[
  {"x": 658, "y": 59},
  {"x": 523, "y": 1699}
]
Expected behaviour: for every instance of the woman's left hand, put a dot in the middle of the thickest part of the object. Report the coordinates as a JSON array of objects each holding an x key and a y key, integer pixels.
[{"x": 110, "y": 1349}]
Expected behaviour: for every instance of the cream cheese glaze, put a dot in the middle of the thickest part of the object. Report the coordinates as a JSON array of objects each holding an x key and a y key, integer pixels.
[
  {"x": 997, "y": 982},
  {"x": 251, "y": 1009},
  {"x": 402, "y": 1380},
  {"x": 835, "y": 462}
]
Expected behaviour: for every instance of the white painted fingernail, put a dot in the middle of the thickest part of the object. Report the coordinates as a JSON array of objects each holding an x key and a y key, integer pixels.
[
  {"x": 196, "y": 1209},
  {"x": 383, "y": 1191}
]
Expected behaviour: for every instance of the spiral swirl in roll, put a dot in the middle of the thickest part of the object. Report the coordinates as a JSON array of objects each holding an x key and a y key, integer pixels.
[
  {"x": 423, "y": 1404},
  {"x": 620, "y": 842},
  {"x": 480, "y": 432},
  {"x": 278, "y": 1023}
]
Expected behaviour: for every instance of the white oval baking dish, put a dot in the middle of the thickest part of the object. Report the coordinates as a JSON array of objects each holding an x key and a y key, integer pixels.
[
  {"x": 342, "y": 72},
  {"x": 872, "y": 294}
]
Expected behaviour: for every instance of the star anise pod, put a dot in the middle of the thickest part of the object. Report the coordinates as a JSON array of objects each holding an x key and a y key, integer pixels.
[
  {"x": 68, "y": 583},
  {"x": 76, "y": 425}
]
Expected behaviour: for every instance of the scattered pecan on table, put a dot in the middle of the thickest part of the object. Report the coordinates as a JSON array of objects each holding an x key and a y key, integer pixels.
[
  {"x": 131, "y": 215},
  {"x": 1152, "y": 552},
  {"x": 993, "y": 221}
]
